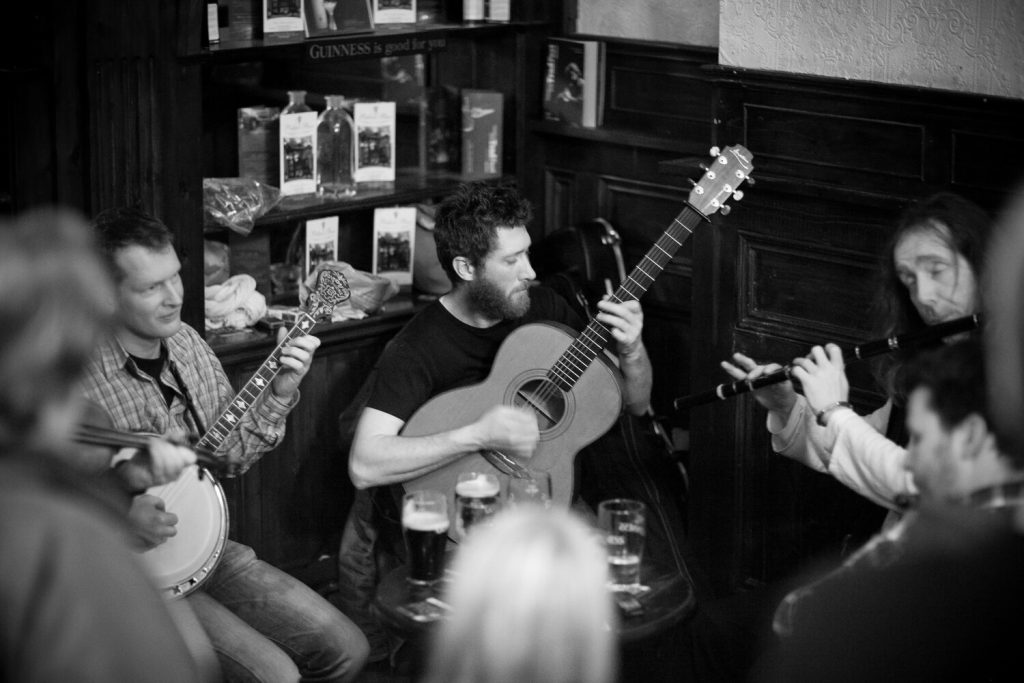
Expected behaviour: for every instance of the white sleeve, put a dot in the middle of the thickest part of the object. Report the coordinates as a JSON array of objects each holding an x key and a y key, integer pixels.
[
  {"x": 792, "y": 438},
  {"x": 852, "y": 449},
  {"x": 864, "y": 460}
]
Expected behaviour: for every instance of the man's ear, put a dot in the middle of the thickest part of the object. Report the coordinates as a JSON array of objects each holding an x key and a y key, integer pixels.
[
  {"x": 974, "y": 432},
  {"x": 463, "y": 268}
]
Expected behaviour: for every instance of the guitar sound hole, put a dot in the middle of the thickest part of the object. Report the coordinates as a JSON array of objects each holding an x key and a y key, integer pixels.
[{"x": 544, "y": 398}]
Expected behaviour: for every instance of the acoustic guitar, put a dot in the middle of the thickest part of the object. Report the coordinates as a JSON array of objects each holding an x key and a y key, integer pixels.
[
  {"x": 546, "y": 368},
  {"x": 183, "y": 562}
]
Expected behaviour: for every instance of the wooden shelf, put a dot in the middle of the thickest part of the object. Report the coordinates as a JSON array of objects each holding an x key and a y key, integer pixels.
[
  {"x": 410, "y": 186},
  {"x": 608, "y": 135},
  {"x": 249, "y": 345},
  {"x": 384, "y": 41}
]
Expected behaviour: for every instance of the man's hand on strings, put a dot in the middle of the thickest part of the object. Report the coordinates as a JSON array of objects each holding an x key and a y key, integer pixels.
[
  {"x": 296, "y": 359},
  {"x": 625, "y": 322}
]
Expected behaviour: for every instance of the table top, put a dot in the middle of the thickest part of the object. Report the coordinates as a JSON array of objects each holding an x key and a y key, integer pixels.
[{"x": 668, "y": 601}]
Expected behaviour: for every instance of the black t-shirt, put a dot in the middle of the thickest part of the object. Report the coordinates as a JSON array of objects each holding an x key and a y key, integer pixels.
[{"x": 436, "y": 352}]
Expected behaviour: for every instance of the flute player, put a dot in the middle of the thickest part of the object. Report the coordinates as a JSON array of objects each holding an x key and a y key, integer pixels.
[{"x": 929, "y": 275}]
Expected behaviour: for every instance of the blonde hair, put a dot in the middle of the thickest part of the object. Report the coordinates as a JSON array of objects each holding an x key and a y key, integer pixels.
[{"x": 530, "y": 604}]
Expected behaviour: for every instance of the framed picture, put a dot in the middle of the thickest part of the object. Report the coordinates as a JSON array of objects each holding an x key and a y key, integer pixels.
[
  {"x": 282, "y": 16},
  {"x": 337, "y": 17},
  {"x": 394, "y": 11},
  {"x": 394, "y": 235}
]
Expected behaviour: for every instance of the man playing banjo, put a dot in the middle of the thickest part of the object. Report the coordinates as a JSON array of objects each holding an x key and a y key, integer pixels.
[{"x": 158, "y": 375}]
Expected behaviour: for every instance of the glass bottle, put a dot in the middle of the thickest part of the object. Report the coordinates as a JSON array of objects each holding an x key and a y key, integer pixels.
[
  {"x": 296, "y": 102},
  {"x": 335, "y": 150}
]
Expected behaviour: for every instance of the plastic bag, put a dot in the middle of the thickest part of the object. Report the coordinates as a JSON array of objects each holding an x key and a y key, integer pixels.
[
  {"x": 236, "y": 203},
  {"x": 368, "y": 291}
]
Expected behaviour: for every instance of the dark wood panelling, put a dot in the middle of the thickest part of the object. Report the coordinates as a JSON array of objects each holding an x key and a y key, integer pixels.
[
  {"x": 986, "y": 160},
  {"x": 642, "y": 212},
  {"x": 559, "y": 194},
  {"x": 662, "y": 91},
  {"x": 291, "y": 505},
  {"x": 784, "y": 286},
  {"x": 143, "y": 105},
  {"x": 830, "y": 146},
  {"x": 878, "y": 149}
]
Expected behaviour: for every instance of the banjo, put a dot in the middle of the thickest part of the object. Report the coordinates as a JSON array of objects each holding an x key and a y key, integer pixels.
[{"x": 183, "y": 562}]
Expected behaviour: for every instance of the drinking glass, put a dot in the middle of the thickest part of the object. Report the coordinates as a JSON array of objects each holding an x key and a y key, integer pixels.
[
  {"x": 477, "y": 499},
  {"x": 425, "y": 530},
  {"x": 530, "y": 487},
  {"x": 622, "y": 521}
]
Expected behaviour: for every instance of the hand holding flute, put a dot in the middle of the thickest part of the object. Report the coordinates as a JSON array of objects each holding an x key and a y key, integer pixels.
[
  {"x": 763, "y": 379},
  {"x": 777, "y": 398},
  {"x": 822, "y": 377}
]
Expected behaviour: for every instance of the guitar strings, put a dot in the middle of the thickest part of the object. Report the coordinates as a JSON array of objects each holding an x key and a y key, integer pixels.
[{"x": 574, "y": 361}]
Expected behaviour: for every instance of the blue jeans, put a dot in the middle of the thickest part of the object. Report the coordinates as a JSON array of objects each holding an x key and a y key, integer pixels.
[{"x": 268, "y": 626}]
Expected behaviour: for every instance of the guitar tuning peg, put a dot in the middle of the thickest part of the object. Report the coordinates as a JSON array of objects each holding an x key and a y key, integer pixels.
[
  {"x": 725, "y": 210},
  {"x": 714, "y": 151},
  {"x": 750, "y": 180},
  {"x": 703, "y": 167},
  {"x": 692, "y": 182},
  {"x": 737, "y": 195}
]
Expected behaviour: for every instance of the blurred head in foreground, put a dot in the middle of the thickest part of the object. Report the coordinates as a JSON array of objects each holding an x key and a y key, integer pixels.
[
  {"x": 57, "y": 303},
  {"x": 529, "y": 604},
  {"x": 1003, "y": 289}
]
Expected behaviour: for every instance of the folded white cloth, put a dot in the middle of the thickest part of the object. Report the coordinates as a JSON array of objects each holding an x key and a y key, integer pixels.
[{"x": 234, "y": 304}]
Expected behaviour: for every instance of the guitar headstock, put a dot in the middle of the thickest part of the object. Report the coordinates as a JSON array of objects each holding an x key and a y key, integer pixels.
[
  {"x": 330, "y": 290},
  {"x": 731, "y": 167}
]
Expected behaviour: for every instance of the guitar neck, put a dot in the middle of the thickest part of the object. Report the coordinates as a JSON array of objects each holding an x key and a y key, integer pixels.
[
  {"x": 581, "y": 353},
  {"x": 253, "y": 389}
]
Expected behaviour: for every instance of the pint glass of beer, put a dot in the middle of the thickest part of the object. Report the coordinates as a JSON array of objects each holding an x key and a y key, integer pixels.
[
  {"x": 530, "y": 487},
  {"x": 425, "y": 529},
  {"x": 477, "y": 499},
  {"x": 623, "y": 525}
]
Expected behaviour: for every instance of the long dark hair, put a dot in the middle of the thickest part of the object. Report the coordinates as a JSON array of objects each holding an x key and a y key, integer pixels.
[{"x": 960, "y": 223}]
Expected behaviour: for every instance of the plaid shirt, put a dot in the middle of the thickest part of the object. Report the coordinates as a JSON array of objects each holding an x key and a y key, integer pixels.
[
  {"x": 135, "y": 403},
  {"x": 1003, "y": 497}
]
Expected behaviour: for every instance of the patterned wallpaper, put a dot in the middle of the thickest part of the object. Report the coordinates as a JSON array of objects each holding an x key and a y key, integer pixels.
[{"x": 974, "y": 46}]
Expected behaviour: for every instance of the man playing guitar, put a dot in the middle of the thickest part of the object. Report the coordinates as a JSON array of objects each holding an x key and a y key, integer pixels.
[
  {"x": 483, "y": 246},
  {"x": 158, "y": 375}
]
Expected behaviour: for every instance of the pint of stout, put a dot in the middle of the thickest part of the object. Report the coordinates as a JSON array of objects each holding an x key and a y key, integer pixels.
[
  {"x": 477, "y": 499},
  {"x": 425, "y": 529}
]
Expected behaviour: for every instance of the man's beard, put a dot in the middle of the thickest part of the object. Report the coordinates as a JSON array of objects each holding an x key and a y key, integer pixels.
[{"x": 492, "y": 303}]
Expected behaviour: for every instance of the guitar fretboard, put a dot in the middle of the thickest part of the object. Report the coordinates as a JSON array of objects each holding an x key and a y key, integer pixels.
[
  {"x": 568, "y": 369},
  {"x": 252, "y": 390}
]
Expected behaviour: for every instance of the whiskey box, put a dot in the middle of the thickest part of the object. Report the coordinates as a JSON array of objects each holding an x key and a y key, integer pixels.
[
  {"x": 298, "y": 153},
  {"x": 375, "y": 137},
  {"x": 258, "y": 128}
]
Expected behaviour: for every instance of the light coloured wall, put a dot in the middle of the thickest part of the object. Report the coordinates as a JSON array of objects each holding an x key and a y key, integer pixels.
[
  {"x": 689, "y": 22},
  {"x": 974, "y": 46}
]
